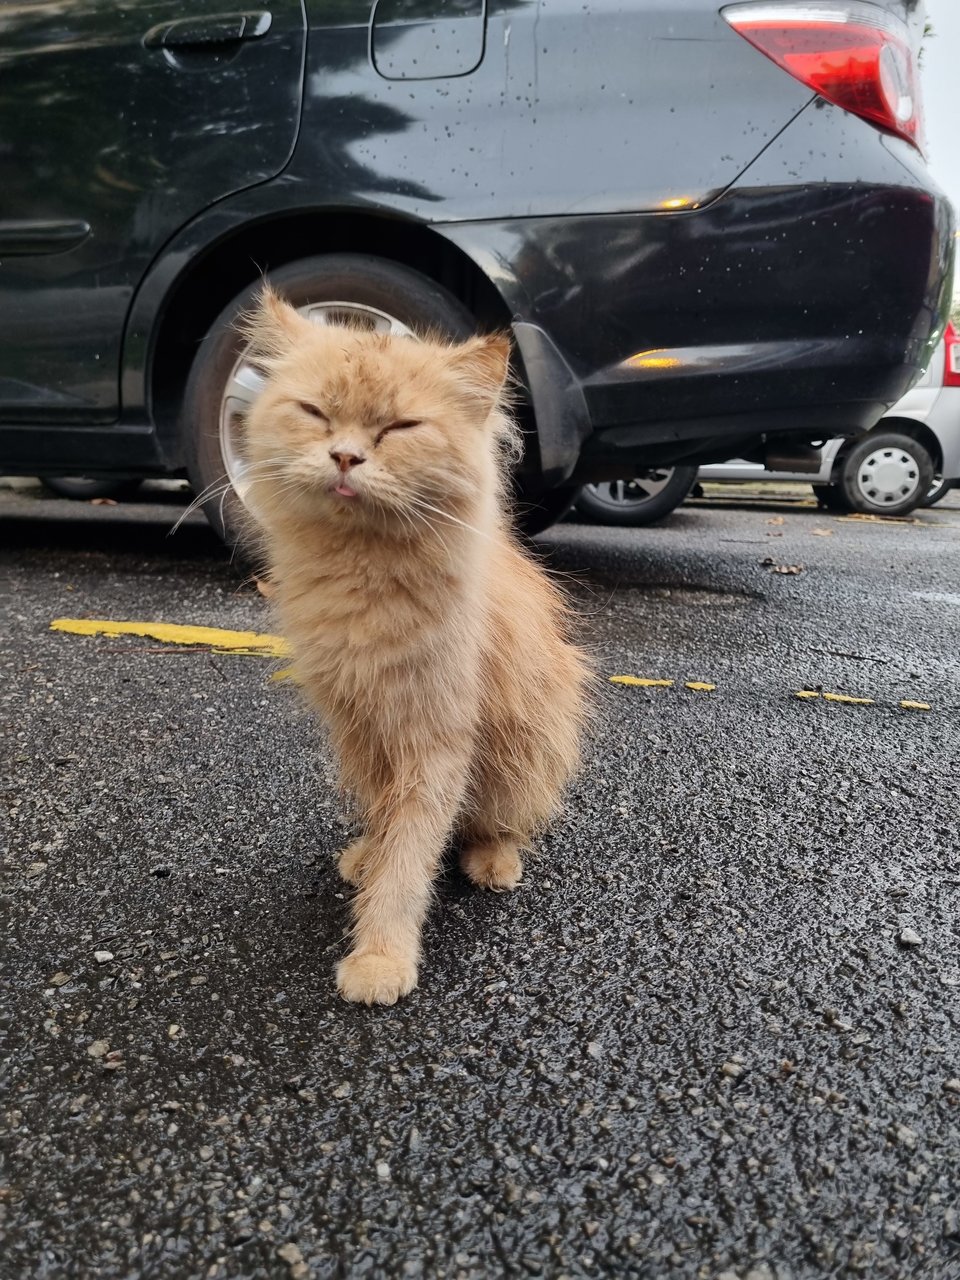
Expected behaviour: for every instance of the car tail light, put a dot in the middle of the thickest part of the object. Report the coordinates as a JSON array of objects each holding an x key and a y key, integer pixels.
[
  {"x": 951, "y": 360},
  {"x": 852, "y": 53}
]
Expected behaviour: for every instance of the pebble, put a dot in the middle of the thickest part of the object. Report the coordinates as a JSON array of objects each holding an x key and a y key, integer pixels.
[
  {"x": 909, "y": 938},
  {"x": 292, "y": 1256},
  {"x": 952, "y": 1085},
  {"x": 905, "y": 1135},
  {"x": 383, "y": 1170},
  {"x": 343, "y": 1090},
  {"x": 103, "y": 957},
  {"x": 59, "y": 979},
  {"x": 206, "y": 1153},
  {"x": 732, "y": 1069},
  {"x": 98, "y": 1048}
]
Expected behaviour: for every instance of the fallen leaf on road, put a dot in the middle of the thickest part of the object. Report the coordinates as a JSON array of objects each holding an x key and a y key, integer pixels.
[
  {"x": 776, "y": 520},
  {"x": 769, "y": 563},
  {"x": 103, "y": 502},
  {"x": 822, "y": 533}
]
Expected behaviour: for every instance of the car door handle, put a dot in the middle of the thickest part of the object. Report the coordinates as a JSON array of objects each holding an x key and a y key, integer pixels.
[{"x": 217, "y": 28}]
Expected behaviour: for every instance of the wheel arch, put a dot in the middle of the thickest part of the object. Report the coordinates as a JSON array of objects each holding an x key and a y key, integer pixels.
[
  {"x": 214, "y": 276},
  {"x": 918, "y": 431}
]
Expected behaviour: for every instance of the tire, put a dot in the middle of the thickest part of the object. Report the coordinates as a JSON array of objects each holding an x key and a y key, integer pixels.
[
  {"x": 85, "y": 488},
  {"x": 938, "y": 491},
  {"x": 832, "y": 498},
  {"x": 886, "y": 473},
  {"x": 650, "y": 496},
  {"x": 533, "y": 516},
  {"x": 367, "y": 287}
]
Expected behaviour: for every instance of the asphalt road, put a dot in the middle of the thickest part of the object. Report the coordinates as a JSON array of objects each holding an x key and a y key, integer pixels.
[{"x": 715, "y": 1034}]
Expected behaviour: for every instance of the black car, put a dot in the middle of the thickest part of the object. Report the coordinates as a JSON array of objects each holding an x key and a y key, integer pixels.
[{"x": 710, "y": 229}]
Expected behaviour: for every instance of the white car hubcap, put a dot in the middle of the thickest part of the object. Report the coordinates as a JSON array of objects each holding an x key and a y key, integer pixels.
[{"x": 888, "y": 476}]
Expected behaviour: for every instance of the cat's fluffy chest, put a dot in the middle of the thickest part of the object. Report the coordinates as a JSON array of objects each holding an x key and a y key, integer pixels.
[{"x": 385, "y": 603}]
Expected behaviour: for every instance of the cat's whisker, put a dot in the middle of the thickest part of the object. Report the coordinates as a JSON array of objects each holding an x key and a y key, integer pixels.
[
  {"x": 426, "y": 506},
  {"x": 211, "y": 491},
  {"x": 221, "y": 486},
  {"x": 415, "y": 515}
]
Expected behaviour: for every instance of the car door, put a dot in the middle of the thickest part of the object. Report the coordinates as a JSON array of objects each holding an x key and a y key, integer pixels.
[{"x": 118, "y": 123}]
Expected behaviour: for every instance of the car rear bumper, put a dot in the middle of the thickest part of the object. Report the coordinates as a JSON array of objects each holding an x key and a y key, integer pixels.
[{"x": 803, "y": 306}]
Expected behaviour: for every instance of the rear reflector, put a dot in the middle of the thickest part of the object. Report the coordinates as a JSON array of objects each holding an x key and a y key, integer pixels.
[
  {"x": 850, "y": 52},
  {"x": 951, "y": 363}
]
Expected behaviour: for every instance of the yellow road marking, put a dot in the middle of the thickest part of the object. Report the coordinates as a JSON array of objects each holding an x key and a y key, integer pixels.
[
  {"x": 836, "y": 697},
  {"x": 641, "y": 682},
  {"x": 257, "y": 644},
  {"x": 250, "y": 643}
]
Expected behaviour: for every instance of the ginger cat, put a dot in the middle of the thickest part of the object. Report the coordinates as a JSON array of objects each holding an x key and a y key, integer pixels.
[{"x": 434, "y": 649}]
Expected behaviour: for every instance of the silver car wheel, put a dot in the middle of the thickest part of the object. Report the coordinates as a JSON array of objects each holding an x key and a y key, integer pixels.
[
  {"x": 888, "y": 476},
  {"x": 246, "y": 381},
  {"x": 634, "y": 492}
]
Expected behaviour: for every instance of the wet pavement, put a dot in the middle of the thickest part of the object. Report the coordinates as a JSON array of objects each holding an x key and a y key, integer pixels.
[{"x": 714, "y": 1035}]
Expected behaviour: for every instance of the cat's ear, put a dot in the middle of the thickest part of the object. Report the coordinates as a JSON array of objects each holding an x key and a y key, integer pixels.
[
  {"x": 273, "y": 326},
  {"x": 482, "y": 365}
]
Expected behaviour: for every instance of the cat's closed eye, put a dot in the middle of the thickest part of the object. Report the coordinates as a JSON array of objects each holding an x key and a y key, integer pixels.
[
  {"x": 314, "y": 410},
  {"x": 402, "y": 425}
]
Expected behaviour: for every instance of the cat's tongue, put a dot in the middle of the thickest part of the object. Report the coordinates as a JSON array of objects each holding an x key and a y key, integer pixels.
[{"x": 345, "y": 491}]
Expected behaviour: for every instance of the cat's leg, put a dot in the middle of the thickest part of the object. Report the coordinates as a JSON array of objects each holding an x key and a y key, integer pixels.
[
  {"x": 407, "y": 831},
  {"x": 351, "y": 862},
  {"x": 492, "y": 863},
  {"x": 497, "y": 827}
]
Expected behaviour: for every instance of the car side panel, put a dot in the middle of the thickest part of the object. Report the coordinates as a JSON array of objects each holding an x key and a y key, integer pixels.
[{"x": 114, "y": 138}]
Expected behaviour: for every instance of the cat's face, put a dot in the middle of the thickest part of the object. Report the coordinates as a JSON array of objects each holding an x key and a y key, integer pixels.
[{"x": 360, "y": 425}]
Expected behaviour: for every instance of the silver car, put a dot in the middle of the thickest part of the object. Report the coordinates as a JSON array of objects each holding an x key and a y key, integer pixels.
[{"x": 911, "y": 458}]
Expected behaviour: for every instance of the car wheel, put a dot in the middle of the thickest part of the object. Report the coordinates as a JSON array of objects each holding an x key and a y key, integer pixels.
[
  {"x": 649, "y": 496},
  {"x": 831, "y": 497},
  {"x": 938, "y": 491},
  {"x": 886, "y": 474},
  {"x": 85, "y": 488},
  {"x": 223, "y": 382}
]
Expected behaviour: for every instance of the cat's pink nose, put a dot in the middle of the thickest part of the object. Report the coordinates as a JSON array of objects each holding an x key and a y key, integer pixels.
[{"x": 346, "y": 460}]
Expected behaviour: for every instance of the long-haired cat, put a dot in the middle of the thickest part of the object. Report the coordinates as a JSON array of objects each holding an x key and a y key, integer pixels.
[{"x": 434, "y": 649}]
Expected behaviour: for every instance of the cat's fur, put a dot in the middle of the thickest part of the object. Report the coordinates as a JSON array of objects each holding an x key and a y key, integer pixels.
[{"x": 434, "y": 649}]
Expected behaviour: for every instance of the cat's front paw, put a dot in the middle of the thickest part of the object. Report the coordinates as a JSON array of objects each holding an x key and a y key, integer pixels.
[
  {"x": 371, "y": 977},
  {"x": 495, "y": 864},
  {"x": 351, "y": 861}
]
